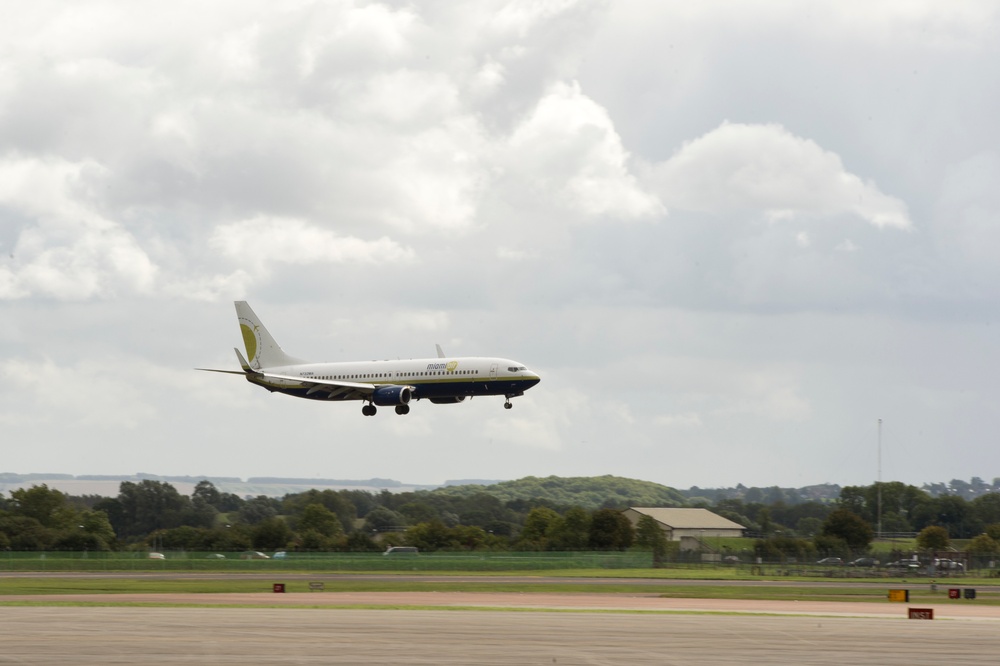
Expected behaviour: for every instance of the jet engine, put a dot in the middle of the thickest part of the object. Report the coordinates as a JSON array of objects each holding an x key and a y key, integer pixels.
[
  {"x": 447, "y": 401},
  {"x": 392, "y": 395}
]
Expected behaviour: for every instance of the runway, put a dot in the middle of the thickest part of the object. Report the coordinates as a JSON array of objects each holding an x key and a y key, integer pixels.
[
  {"x": 257, "y": 636},
  {"x": 474, "y": 627}
]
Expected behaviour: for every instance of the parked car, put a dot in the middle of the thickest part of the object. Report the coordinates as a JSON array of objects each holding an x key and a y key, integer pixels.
[
  {"x": 156, "y": 556},
  {"x": 215, "y": 556},
  {"x": 280, "y": 555},
  {"x": 945, "y": 564},
  {"x": 253, "y": 555},
  {"x": 831, "y": 562},
  {"x": 863, "y": 562},
  {"x": 903, "y": 564},
  {"x": 401, "y": 550}
]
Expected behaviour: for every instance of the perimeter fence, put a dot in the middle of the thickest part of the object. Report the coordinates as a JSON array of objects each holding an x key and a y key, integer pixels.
[{"x": 332, "y": 562}]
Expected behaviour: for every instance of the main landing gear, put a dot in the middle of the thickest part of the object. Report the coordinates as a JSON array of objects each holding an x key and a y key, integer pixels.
[{"x": 370, "y": 410}]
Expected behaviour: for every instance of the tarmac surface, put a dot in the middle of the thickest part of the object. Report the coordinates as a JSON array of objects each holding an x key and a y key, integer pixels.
[
  {"x": 109, "y": 635},
  {"x": 485, "y": 628}
]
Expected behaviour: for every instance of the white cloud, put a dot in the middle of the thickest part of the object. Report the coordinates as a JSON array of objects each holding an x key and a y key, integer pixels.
[
  {"x": 685, "y": 420},
  {"x": 967, "y": 220},
  {"x": 767, "y": 169},
  {"x": 68, "y": 250},
  {"x": 521, "y": 16},
  {"x": 261, "y": 242},
  {"x": 568, "y": 146},
  {"x": 89, "y": 393}
]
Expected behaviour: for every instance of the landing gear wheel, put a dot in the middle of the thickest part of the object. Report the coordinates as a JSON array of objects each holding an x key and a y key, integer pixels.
[
  {"x": 507, "y": 405},
  {"x": 402, "y": 409},
  {"x": 369, "y": 410}
]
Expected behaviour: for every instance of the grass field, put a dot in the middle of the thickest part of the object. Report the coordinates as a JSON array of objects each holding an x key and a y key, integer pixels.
[{"x": 26, "y": 585}]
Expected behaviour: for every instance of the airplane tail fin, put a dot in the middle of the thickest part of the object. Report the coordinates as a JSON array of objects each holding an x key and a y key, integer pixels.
[{"x": 262, "y": 350}]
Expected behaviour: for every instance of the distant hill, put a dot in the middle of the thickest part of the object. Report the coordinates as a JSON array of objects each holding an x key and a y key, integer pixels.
[
  {"x": 108, "y": 485},
  {"x": 591, "y": 492}
]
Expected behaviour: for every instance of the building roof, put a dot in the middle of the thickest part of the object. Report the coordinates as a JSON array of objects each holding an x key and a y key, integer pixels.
[{"x": 687, "y": 519}]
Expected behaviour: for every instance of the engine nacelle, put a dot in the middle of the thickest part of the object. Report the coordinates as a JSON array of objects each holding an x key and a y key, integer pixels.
[
  {"x": 447, "y": 401},
  {"x": 392, "y": 395}
]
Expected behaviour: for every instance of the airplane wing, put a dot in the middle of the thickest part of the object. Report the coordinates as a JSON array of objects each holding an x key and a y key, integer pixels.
[{"x": 334, "y": 389}]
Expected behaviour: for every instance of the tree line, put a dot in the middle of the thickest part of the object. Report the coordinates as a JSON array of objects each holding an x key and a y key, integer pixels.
[{"x": 153, "y": 514}]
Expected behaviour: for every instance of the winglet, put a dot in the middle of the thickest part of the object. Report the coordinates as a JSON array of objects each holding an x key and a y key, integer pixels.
[
  {"x": 440, "y": 351},
  {"x": 243, "y": 362}
]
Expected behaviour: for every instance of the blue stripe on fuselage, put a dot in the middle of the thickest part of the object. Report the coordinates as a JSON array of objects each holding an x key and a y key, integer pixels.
[{"x": 421, "y": 390}]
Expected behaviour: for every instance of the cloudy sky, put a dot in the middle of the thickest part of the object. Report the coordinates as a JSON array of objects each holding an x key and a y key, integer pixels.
[{"x": 729, "y": 236}]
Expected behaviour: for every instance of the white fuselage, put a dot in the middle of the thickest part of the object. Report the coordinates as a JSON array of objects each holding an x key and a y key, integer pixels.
[{"x": 427, "y": 378}]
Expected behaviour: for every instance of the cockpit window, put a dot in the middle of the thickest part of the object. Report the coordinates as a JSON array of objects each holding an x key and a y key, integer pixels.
[{"x": 516, "y": 368}]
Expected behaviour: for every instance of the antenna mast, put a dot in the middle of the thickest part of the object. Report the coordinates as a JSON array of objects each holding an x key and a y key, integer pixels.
[{"x": 879, "y": 486}]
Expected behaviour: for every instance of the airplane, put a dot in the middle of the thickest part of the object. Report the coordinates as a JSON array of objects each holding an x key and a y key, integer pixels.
[{"x": 442, "y": 380}]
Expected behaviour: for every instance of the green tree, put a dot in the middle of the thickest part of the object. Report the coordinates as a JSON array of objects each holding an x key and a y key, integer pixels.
[
  {"x": 482, "y": 510},
  {"x": 987, "y": 508},
  {"x": 982, "y": 545},
  {"x": 851, "y": 528},
  {"x": 933, "y": 538},
  {"x": 951, "y": 512},
  {"x": 649, "y": 534},
  {"x": 419, "y": 512},
  {"x": 230, "y": 538},
  {"x": 434, "y": 535},
  {"x": 259, "y": 509},
  {"x": 536, "y": 527},
  {"x": 96, "y": 523},
  {"x": 469, "y": 537},
  {"x": 148, "y": 506},
  {"x": 381, "y": 518},
  {"x": 184, "y": 537},
  {"x": 315, "y": 541},
  {"x": 46, "y": 505},
  {"x": 831, "y": 546},
  {"x": 570, "y": 531},
  {"x": 808, "y": 527},
  {"x": 271, "y": 534},
  {"x": 206, "y": 492},
  {"x": 785, "y": 547},
  {"x": 294, "y": 505},
  {"x": 318, "y": 518},
  {"x": 610, "y": 530},
  {"x": 25, "y": 533},
  {"x": 360, "y": 542}
]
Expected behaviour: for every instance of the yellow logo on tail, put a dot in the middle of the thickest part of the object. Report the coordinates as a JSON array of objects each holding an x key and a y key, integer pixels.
[{"x": 250, "y": 340}]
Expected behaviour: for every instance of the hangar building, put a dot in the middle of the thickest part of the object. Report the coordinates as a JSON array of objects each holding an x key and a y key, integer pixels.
[{"x": 687, "y": 524}]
